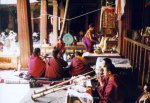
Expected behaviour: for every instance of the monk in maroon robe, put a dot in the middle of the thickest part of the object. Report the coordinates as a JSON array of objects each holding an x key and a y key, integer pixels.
[
  {"x": 36, "y": 64},
  {"x": 61, "y": 47},
  {"x": 79, "y": 65},
  {"x": 55, "y": 66},
  {"x": 111, "y": 89}
]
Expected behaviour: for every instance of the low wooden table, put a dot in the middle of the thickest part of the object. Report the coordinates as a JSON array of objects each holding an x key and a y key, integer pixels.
[
  {"x": 118, "y": 62},
  {"x": 92, "y": 57}
]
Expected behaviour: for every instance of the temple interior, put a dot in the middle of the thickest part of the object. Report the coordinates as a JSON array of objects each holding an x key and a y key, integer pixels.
[{"x": 120, "y": 31}]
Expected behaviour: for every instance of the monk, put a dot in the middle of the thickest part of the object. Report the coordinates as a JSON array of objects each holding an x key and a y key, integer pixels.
[
  {"x": 36, "y": 64},
  {"x": 55, "y": 66},
  {"x": 88, "y": 40},
  {"x": 79, "y": 65},
  {"x": 61, "y": 47},
  {"x": 106, "y": 61},
  {"x": 111, "y": 89}
]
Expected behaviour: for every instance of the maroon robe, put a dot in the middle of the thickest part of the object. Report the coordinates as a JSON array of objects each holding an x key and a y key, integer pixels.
[
  {"x": 111, "y": 91},
  {"x": 79, "y": 66},
  {"x": 36, "y": 66},
  {"x": 61, "y": 47},
  {"x": 54, "y": 69}
]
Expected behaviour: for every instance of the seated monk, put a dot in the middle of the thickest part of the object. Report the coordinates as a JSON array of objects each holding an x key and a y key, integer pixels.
[
  {"x": 79, "y": 65},
  {"x": 36, "y": 64},
  {"x": 55, "y": 66},
  {"x": 111, "y": 89}
]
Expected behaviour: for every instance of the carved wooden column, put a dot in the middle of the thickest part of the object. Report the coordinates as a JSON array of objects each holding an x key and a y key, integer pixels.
[
  {"x": 62, "y": 11},
  {"x": 120, "y": 40},
  {"x": 32, "y": 20},
  {"x": 126, "y": 22},
  {"x": 43, "y": 21},
  {"x": 119, "y": 36},
  {"x": 55, "y": 20},
  {"x": 24, "y": 31}
]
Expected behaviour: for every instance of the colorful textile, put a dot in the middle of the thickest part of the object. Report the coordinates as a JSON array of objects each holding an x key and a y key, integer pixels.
[
  {"x": 107, "y": 18},
  {"x": 87, "y": 44},
  {"x": 54, "y": 69},
  {"x": 36, "y": 66}
]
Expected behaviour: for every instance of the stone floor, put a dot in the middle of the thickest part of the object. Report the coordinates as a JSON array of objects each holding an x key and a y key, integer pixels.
[
  {"x": 13, "y": 93},
  {"x": 21, "y": 93}
]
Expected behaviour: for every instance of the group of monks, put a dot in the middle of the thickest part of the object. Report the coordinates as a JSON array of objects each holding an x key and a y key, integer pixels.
[
  {"x": 55, "y": 67},
  {"x": 110, "y": 90}
]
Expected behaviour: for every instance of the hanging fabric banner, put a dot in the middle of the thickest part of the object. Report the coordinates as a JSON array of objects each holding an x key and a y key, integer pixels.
[{"x": 107, "y": 18}]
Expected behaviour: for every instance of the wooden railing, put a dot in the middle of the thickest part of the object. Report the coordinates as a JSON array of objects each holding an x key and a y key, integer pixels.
[{"x": 139, "y": 56}]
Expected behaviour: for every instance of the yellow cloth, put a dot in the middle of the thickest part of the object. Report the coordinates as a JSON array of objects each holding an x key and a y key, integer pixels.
[
  {"x": 89, "y": 34},
  {"x": 103, "y": 43}
]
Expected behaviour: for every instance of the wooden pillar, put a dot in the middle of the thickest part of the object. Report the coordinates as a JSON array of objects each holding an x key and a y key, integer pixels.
[
  {"x": 43, "y": 21},
  {"x": 62, "y": 12},
  {"x": 10, "y": 22},
  {"x": 24, "y": 31},
  {"x": 120, "y": 36},
  {"x": 55, "y": 20},
  {"x": 127, "y": 16},
  {"x": 126, "y": 22},
  {"x": 32, "y": 20}
]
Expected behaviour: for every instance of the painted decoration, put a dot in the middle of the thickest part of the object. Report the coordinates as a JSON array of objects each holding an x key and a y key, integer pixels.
[{"x": 68, "y": 39}]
